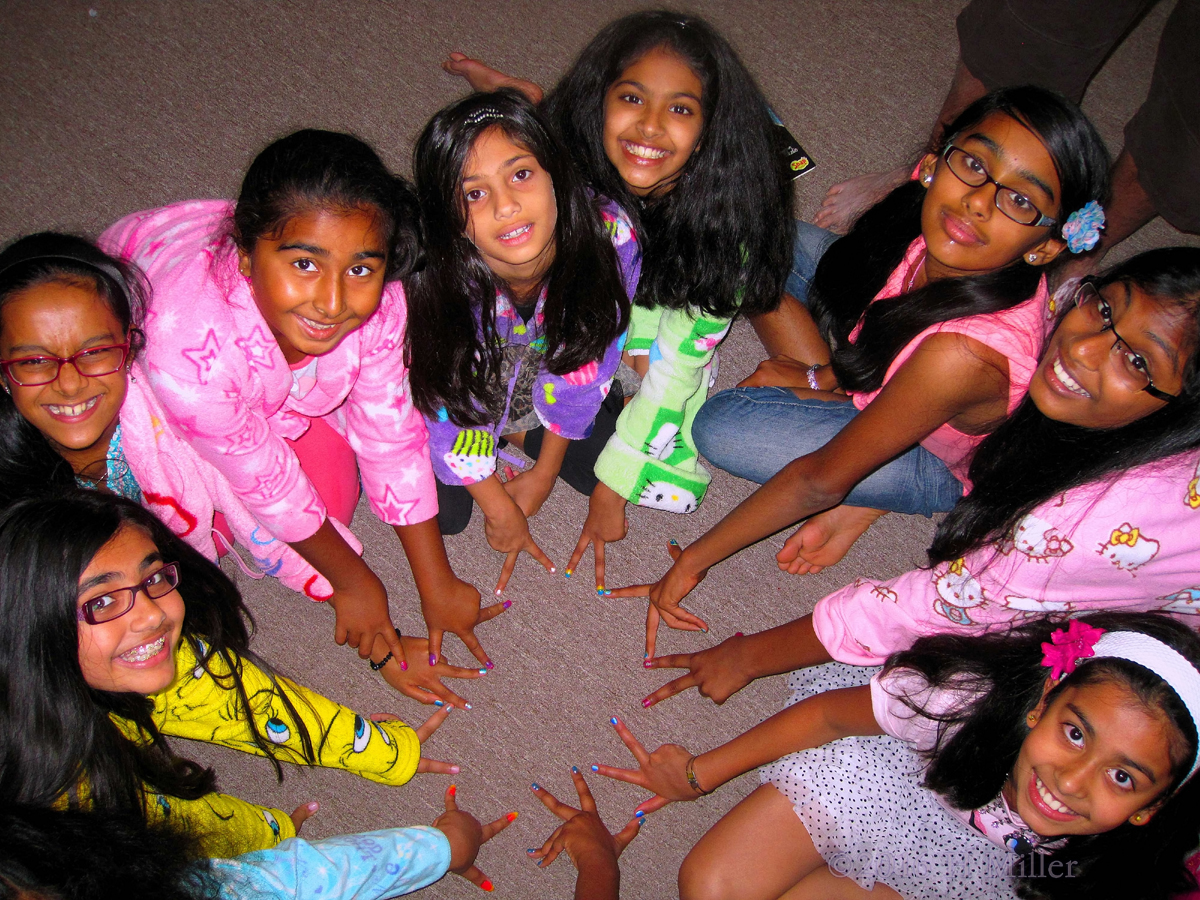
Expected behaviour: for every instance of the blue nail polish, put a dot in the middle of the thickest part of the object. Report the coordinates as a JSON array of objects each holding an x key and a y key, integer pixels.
[
  {"x": 483, "y": 671},
  {"x": 595, "y": 768},
  {"x": 607, "y": 592},
  {"x": 567, "y": 574},
  {"x": 640, "y": 813},
  {"x": 531, "y": 850},
  {"x": 613, "y": 720},
  {"x": 673, "y": 542},
  {"x": 467, "y": 705},
  {"x": 575, "y": 769},
  {"x": 438, "y": 703},
  {"x": 540, "y": 861},
  {"x": 535, "y": 786}
]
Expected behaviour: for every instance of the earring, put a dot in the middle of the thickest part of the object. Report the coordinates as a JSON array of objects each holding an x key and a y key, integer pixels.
[
  {"x": 1139, "y": 819},
  {"x": 927, "y": 180},
  {"x": 1032, "y": 258},
  {"x": 1031, "y": 719}
]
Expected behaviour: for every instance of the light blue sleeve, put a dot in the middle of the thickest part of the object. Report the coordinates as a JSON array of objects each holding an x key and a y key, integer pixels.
[{"x": 369, "y": 866}]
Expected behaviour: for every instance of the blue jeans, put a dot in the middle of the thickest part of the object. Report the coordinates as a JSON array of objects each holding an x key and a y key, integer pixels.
[
  {"x": 808, "y": 246},
  {"x": 755, "y": 432}
]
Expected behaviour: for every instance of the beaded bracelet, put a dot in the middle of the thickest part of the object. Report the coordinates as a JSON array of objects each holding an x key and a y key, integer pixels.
[
  {"x": 376, "y": 666},
  {"x": 691, "y": 777}
]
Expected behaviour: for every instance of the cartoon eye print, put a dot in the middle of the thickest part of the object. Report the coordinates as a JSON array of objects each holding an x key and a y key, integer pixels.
[
  {"x": 362, "y": 734},
  {"x": 277, "y": 731}
]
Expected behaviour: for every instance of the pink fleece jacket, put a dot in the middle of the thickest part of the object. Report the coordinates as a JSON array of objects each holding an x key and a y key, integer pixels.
[
  {"x": 1131, "y": 542},
  {"x": 225, "y": 394}
]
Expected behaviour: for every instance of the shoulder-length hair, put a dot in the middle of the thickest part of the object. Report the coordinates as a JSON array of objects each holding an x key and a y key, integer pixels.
[
  {"x": 453, "y": 362},
  {"x": 978, "y": 744},
  {"x": 56, "y": 735},
  {"x": 1030, "y": 458},
  {"x": 857, "y": 266},
  {"x": 720, "y": 240}
]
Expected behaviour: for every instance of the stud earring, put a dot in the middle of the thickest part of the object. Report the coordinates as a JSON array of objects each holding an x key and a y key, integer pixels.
[
  {"x": 1032, "y": 258},
  {"x": 927, "y": 180},
  {"x": 1031, "y": 719},
  {"x": 1139, "y": 819}
]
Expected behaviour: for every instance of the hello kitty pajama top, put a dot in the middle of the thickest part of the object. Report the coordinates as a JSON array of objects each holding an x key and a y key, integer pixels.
[
  {"x": 224, "y": 399},
  {"x": 1130, "y": 542},
  {"x": 564, "y": 404}
]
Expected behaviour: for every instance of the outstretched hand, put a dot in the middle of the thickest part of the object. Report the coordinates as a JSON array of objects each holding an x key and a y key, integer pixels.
[
  {"x": 717, "y": 673},
  {"x": 605, "y": 524},
  {"x": 424, "y": 730},
  {"x": 663, "y": 772},
  {"x": 457, "y": 610},
  {"x": 466, "y": 834},
  {"x": 422, "y": 681},
  {"x": 665, "y": 597},
  {"x": 582, "y": 835},
  {"x": 507, "y": 530}
]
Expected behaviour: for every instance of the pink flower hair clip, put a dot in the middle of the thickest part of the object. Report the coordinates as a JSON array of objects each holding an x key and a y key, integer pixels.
[{"x": 1070, "y": 645}]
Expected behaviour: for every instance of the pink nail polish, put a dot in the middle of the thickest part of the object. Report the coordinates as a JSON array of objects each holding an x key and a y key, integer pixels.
[
  {"x": 646, "y": 703},
  {"x": 403, "y": 666},
  {"x": 507, "y": 604},
  {"x": 433, "y": 659}
]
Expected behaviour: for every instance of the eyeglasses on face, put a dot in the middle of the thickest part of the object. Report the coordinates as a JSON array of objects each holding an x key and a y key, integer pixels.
[
  {"x": 971, "y": 171},
  {"x": 115, "y": 603},
  {"x": 31, "y": 371},
  {"x": 1134, "y": 367}
]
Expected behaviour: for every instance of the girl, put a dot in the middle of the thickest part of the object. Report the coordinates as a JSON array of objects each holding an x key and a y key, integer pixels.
[
  {"x": 77, "y": 406},
  {"x": 120, "y": 634},
  {"x": 1072, "y": 782},
  {"x": 1085, "y": 498},
  {"x": 275, "y": 348},
  {"x": 961, "y": 250},
  {"x": 661, "y": 116},
  {"x": 517, "y": 318}
]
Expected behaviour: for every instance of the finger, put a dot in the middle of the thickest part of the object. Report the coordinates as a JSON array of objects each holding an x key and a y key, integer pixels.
[
  {"x": 654, "y": 804},
  {"x": 303, "y": 813},
  {"x": 598, "y": 555},
  {"x": 472, "y": 643},
  {"x": 436, "y": 765},
  {"x": 491, "y": 829},
  {"x": 451, "y": 802},
  {"x": 339, "y": 633},
  {"x": 674, "y": 549},
  {"x": 680, "y": 619},
  {"x": 652, "y": 620},
  {"x": 435, "y": 645},
  {"x": 670, "y": 661},
  {"x": 476, "y": 877},
  {"x": 670, "y": 689},
  {"x": 623, "y": 837},
  {"x": 629, "y": 776},
  {"x": 586, "y": 802},
  {"x": 391, "y": 634},
  {"x": 552, "y": 803},
  {"x": 536, "y": 552},
  {"x": 582, "y": 545},
  {"x": 550, "y": 849},
  {"x": 634, "y": 745},
  {"x": 509, "y": 473},
  {"x": 358, "y": 640},
  {"x": 510, "y": 563},
  {"x": 490, "y": 612},
  {"x": 445, "y": 670},
  {"x": 383, "y": 717},
  {"x": 430, "y": 725},
  {"x": 440, "y": 695},
  {"x": 632, "y": 590}
]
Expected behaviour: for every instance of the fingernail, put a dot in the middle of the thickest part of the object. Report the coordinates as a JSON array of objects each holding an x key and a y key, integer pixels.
[
  {"x": 595, "y": 768},
  {"x": 613, "y": 720},
  {"x": 738, "y": 634},
  {"x": 705, "y": 630},
  {"x": 599, "y": 592},
  {"x": 453, "y": 789},
  {"x": 489, "y": 665},
  {"x": 531, "y": 850},
  {"x": 433, "y": 659},
  {"x": 646, "y": 664},
  {"x": 673, "y": 542},
  {"x": 454, "y": 770},
  {"x": 567, "y": 573},
  {"x": 483, "y": 671},
  {"x": 498, "y": 592},
  {"x": 575, "y": 769},
  {"x": 639, "y": 813},
  {"x": 553, "y": 570},
  {"x": 511, "y": 816},
  {"x": 403, "y": 666},
  {"x": 535, "y": 786},
  {"x": 466, "y": 706},
  {"x": 646, "y": 703},
  {"x": 507, "y": 604},
  {"x": 439, "y": 703},
  {"x": 540, "y": 861},
  {"x": 607, "y": 592},
  {"x": 314, "y": 806},
  {"x": 487, "y": 885}
]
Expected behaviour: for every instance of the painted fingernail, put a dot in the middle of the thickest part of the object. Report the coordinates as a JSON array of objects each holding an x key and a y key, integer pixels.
[
  {"x": 613, "y": 720},
  {"x": 454, "y": 770},
  {"x": 403, "y": 666},
  {"x": 738, "y": 634},
  {"x": 483, "y": 671},
  {"x": 567, "y": 573},
  {"x": 498, "y": 591},
  {"x": 511, "y": 817},
  {"x": 595, "y": 768},
  {"x": 607, "y": 592},
  {"x": 673, "y": 542},
  {"x": 466, "y": 706},
  {"x": 535, "y": 786},
  {"x": 439, "y": 703},
  {"x": 531, "y": 850},
  {"x": 487, "y": 885},
  {"x": 314, "y": 806},
  {"x": 640, "y": 813},
  {"x": 575, "y": 769},
  {"x": 553, "y": 570},
  {"x": 705, "y": 630},
  {"x": 646, "y": 663},
  {"x": 452, "y": 790},
  {"x": 599, "y": 591},
  {"x": 507, "y": 604},
  {"x": 646, "y": 703},
  {"x": 433, "y": 659},
  {"x": 489, "y": 665}
]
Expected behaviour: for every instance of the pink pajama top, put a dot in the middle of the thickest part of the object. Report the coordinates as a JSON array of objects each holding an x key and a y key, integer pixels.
[
  {"x": 1130, "y": 542},
  {"x": 223, "y": 394},
  {"x": 1015, "y": 333}
]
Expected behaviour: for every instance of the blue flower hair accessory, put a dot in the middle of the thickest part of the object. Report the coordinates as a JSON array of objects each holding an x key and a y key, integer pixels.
[{"x": 1083, "y": 227}]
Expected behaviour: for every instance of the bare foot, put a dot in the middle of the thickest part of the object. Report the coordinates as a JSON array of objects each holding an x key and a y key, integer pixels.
[
  {"x": 482, "y": 77},
  {"x": 845, "y": 202},
  {"x": 825, "y": 538}
]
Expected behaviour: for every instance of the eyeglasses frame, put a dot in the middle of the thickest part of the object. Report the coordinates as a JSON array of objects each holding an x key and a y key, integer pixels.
[
  {"x": 84, "y": 613},
  {"x": 1044, "y": 221},
  {"x": 6, "y": 364},
  {"x": 1150, "y": 389}
]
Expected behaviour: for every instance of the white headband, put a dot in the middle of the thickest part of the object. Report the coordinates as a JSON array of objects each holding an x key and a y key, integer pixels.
[{"x": 1165, "y": 662}]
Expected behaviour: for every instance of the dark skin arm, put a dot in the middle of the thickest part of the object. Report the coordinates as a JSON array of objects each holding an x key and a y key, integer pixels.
[{"x": 949, "y": 378}]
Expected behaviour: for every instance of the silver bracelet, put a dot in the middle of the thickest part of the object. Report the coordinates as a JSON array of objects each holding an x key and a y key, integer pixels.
[{"x": 812, "y": 376}]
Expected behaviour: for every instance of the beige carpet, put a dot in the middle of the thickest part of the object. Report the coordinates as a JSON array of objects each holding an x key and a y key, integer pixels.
[{"x": 114, "y": 107}]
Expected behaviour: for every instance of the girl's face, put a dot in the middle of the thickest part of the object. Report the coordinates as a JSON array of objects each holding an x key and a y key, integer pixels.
[
  {"x": 136, "y": 652},
  {"x": 319, "y": 279},
  {"x": 1094, "y": 758},
  {"x": 964, "y": 232},
  {"x": 511, "y": 210},
  {"x": 1086, "y": 378},
  {"x": 76, "y": 413},
  {"x": 653, "y": 118}
]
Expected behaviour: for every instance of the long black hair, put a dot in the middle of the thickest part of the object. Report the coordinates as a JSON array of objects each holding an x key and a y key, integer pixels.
[
  {"x": 56, "y": 735},
  {"x": 1030, "y": 458},
  {"x": 978, "y": 744},
  {"x": 452, "y": 362},
  {"x": 856, "y": 267},
  {"x": 720, "y": 241},
  {"x": 313, "y": 169},
  {"x": 28, "y": 463}
]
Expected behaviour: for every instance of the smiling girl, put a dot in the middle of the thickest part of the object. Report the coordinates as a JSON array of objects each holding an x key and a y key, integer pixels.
[
  {"x": 275, "y": 345},
  {"x": 517, "y": 319},
  {"x": 1056, "y": 759},
  {"x": 934, "y": 308},
  {"x": 121, "y": 634}
]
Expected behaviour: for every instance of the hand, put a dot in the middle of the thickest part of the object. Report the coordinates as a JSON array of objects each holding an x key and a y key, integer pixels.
[
  {"x": 605, "y": 523},
  {"x": 424, "y": 730},
  {"x": 465, "y": 835},
  {"x": 507, "y": 530},
  {"x": 718, "y": 672},
  {"x": 583, "y": 835},
  {"x": 665, "y": 596},
  {"x": 456, "y": 609},
  {"x": 423, "y": 682},
  {"x": 664, "y": 771},
  {"x": 303, "y": 813},
  {"x": 528, "y": 489},
  {"x": 778, "y": 371},
  {"x": 362, "y": 616}
]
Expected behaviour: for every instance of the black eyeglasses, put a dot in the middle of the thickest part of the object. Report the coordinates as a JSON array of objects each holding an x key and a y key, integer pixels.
[
  {"x": 971, "y": 171},
  {"x": 1133, "y": 365},
  {"x": 115, "y": 603},
  {"x": 31, "y": 371}
]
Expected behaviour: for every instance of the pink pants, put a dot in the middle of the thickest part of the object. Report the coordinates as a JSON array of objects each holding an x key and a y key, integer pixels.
[{"x": 330, "y": 465}]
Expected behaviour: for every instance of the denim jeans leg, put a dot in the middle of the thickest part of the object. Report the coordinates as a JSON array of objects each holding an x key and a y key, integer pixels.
[{"x": 808, "y": 246}]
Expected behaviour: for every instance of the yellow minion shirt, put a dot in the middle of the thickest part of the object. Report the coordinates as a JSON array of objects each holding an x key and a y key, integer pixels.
[{"x": 202, "y": 705}]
